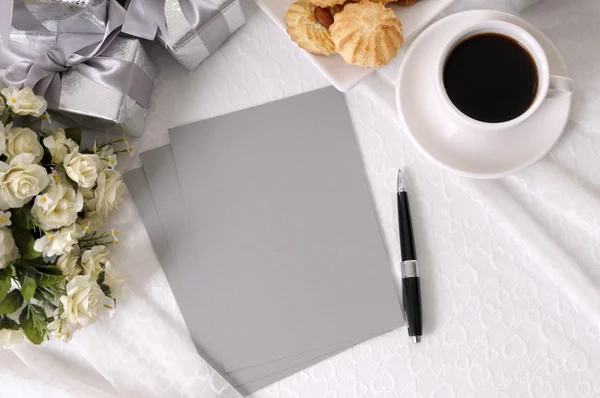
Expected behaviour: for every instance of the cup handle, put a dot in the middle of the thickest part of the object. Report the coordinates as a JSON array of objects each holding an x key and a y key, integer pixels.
[{"x": 560, "y": 87}]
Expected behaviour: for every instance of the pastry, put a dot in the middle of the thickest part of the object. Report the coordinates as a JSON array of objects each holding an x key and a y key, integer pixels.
[
  {"x": 326, "y": 3},
  {"x": 340, "y": 7},
  {"x": 367, "y": 34},
  {"x": 306, "y": 31}
]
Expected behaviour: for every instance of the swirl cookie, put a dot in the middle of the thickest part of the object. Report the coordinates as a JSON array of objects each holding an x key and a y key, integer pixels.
[
  {"x": 306, "y": 31},
  {"x": 367, "y": 34}
]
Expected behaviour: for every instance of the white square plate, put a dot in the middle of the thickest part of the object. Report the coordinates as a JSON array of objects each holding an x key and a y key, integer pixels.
[{"x": 344, "y": 76}]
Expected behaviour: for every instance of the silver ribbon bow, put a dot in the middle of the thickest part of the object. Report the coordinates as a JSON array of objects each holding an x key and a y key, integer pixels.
[{"x": 82, "y": 53}]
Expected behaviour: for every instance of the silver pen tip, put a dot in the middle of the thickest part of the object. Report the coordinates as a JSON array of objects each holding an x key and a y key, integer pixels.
[
  {"x": 401, "y": 185},
  {"x": 416, "y": 339}
]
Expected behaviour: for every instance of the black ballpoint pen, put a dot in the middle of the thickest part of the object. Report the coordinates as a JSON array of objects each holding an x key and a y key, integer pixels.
[{"x": 411, "y": 285}]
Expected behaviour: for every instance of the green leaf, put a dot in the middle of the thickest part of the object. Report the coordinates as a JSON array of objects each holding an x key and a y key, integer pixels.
[
  {"x": 74, "y": 133},
  {"x": 22, "y": 217},
  {"x": 4, "y": 282},
  {"x": 34, "y": 263},
  {"x": 7, "y": 323},
  {"x": 48, "y": 275},
  {"x": 28, "y": 287},
  {"x": 49, "y": 294},
  {"x": 105, "y": 289},
  {"x": 100, "y": 279},
  {"x": 33, "y": 322},
  {"x": 25, "y": 242},
  {"x": 11, "y": 302}
]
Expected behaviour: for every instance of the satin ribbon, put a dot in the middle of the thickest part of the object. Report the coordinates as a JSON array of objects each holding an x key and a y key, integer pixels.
[
  {"x": 42, "y": 72},
  {"x": 145, "y": 17}
]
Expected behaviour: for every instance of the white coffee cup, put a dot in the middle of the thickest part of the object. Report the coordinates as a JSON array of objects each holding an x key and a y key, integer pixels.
[{"x": 549, "y": 86}]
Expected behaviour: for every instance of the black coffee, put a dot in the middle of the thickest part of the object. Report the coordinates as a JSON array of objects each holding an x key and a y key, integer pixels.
[{"x": 491, "y": 78}]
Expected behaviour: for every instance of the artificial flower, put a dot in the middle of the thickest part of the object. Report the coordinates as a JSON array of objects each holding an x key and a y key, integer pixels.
[
  {"x": 115, "y": 237},
  {"x": 59, "y": 145},
  {"x": 8, "y": 249},
  {"x": 20, "y": 181},
  {"x": 24, "y": 102},
  {"x": 93, "y": 260},
  {"x": 91, "y": 222},
  {"x": 59, "y": 327},
  {"x": 23, "y": 140},
  {"x": 112, "y": 162},
  {"x": 108, "y": 194},
  {"x": 5, "y": 219},
  {"x": 2, "y": 106},
  {"x": 113, "y": 280},
  {"x": 69, "y": 263},
  {"x": 44, "y": 201},
  {"x": 84, "y": 301},
  {"x": 62, "y": 203},
  {"x": 55, "y": 177},
  {"x": 59, "y": 242},
  {"x": 86, "y": 193},
  {"x": 9, "y": 337},
  {"x": 82, "y": 168}
]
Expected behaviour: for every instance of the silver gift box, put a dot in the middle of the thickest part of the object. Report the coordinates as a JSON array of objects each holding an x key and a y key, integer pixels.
[
  {"x": 189, "y": 47},
  {"x": 95, "y": 106},
  {"x": 90, "y": 104},
  {"x": 69, "y": 16}
]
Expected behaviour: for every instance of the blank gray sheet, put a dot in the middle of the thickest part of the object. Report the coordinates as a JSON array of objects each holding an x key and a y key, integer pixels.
[
  {"x": 284, "y": 226},
  {"x": 160, "y": 169},
  {"x": 204, "y": 292}
]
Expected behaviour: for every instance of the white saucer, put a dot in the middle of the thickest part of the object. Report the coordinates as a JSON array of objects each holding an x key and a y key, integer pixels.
[{"x": 473, "y": 153}]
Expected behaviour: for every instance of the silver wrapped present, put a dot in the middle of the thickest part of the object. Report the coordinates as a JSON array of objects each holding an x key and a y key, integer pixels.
[
  {"x": 93, "y": 105},
  {"x": 191, "y": 30},
  {"x": 191, "y": 45},
  {"x": 84, "y": 101}
]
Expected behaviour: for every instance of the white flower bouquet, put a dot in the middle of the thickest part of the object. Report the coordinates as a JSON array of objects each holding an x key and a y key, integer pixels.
[{"x": 55, "y": 272}]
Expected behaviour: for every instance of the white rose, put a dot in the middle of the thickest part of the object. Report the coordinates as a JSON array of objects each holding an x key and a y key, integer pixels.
[
  {"x": 87, "y": 193},
  {"x": 57, "y": 207},
  {"x": 108, "y": 194},
  {"x": 113, "y": 280},
  {"x": 83, "y": 169},
  {"x": 20, "y": 181},
  {"x": 23, "y": 140},
  {"x": 59, "y": 242},
  {"x": 59, "y": 145},
  {"x": 9, "y": 337},
  {"x": 92, "y": 260},
  {"x": 69, "y": 263},
  {"x": 8, "y": 250},
  {"x": 24, "y": 102},
  {"x": 84, "y": 301}
]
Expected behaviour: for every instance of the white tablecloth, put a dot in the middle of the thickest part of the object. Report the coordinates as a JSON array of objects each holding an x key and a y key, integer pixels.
[{"x": 510, "y": 268}]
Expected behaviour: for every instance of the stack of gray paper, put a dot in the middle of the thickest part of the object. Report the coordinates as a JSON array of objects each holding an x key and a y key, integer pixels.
[{"x": 264, "y": 225}]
